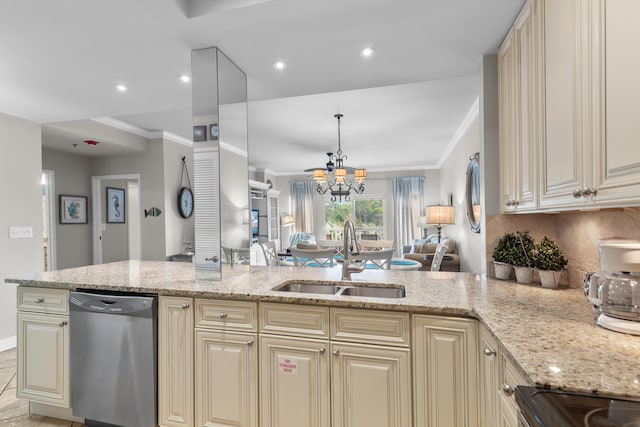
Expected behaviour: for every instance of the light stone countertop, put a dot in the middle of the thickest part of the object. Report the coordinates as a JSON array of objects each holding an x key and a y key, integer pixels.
[{"x": 549, "y": 334}]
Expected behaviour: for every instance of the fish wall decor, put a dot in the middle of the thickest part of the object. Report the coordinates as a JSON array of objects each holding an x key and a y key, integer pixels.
[{"x": 152, "y": 212}]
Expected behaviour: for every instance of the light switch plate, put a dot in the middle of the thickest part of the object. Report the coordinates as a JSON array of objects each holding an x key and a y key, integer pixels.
[{"x": 21, "y": 232}]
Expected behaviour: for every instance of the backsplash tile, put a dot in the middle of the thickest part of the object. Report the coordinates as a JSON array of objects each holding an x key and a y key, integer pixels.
[{"x": 576, "y": 233}]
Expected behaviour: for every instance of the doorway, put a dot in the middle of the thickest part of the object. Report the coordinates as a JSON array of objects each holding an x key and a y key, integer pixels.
[
  {"x": 49, "y": 220},
  {"x": 120, "y": 240}
]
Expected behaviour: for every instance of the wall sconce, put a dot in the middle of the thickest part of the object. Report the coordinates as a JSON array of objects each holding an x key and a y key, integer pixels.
[{"x": 439, "y": 215}]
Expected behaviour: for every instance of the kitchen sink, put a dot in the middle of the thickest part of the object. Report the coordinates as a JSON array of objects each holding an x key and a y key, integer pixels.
[
  {"x": 308, "y": 288},
  {"x": 374, "y": 291}
]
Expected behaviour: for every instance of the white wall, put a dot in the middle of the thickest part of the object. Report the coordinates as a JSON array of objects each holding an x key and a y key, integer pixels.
[
  {"x": 178, "y": 230},
  {"x": 150, "y": 166},
  {"x": 72, "y": 178},
  {"x": 234, "y": 199},
  {"x": 453, "y": 181},
  {"x": 20, "y": 186}
]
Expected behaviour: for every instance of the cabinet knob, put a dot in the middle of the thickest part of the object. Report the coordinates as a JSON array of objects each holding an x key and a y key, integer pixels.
[
  {"x": 250, "y": 343},
  {"x": 489, "y": 352},
  {"x": 577, "y": 193},
  {"x": 586, "y": 192},
  {"x": 223, "y": 315},
  {"x": 39, "y": 300},
  {"x": 507, "y": 389},
  {"x": 186, "y": 305},
  {"x": 63, "y": 323},
  {"x": 322, "y": 350},
  {"x": 336, "y": 352}
]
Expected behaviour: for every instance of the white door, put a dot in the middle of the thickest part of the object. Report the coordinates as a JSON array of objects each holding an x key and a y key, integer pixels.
[
  {"x": 49, "y": 220},
  {"x": 133, "y": 201}
]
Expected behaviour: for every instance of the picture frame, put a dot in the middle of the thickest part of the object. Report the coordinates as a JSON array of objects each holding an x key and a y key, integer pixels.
[
  {"x": 214, "y": 131},
  {"x": 73, "y": 209},
  {"x": 199, "y": 133},
  {"x": 116, "y": 205}
]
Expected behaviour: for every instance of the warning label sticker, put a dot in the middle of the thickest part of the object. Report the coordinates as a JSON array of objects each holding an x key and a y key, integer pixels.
[{"x": 287, "y": 365}]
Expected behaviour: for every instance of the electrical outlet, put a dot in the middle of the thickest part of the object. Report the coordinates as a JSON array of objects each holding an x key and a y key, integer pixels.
[{"x": 21, "y": 232}]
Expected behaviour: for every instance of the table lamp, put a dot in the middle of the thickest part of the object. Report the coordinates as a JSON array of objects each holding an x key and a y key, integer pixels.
[{"x": 439, "y": 215}]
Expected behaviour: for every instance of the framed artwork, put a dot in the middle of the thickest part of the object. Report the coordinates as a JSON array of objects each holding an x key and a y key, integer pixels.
[
  {"x": 73, "y": 209},
  {"x": 115, "y": 205},
  {"x": 199, "y": 133},
  {"x": 213, "y": 131}
]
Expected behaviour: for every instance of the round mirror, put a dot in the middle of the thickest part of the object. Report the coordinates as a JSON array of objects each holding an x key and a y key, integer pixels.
[{"x": 473, "y": 193}]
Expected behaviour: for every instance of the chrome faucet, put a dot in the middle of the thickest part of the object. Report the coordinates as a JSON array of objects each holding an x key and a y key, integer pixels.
[{"x": 347, "y": 267}]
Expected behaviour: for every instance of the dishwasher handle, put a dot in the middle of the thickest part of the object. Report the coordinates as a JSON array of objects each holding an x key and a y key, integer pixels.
[{"x": 129, "y": 305}]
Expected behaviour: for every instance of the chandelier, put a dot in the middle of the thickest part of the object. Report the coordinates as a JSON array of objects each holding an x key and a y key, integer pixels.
[{"x": 336, "y": 178}]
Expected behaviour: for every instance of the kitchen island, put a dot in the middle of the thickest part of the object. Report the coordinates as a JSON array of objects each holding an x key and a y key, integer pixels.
[{"x": 549, "y": 336}]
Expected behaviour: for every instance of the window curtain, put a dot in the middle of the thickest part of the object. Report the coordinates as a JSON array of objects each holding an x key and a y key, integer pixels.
[
  {"x": 408, "y": 199},
  {"x": 302, "y": 194}
]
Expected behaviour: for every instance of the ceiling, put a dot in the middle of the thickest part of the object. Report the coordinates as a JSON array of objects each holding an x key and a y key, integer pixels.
[{"x": 61, "y": 61}]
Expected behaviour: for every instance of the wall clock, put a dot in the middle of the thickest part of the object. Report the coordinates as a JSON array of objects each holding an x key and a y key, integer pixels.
[
  {"x": 185, "y": 202},
  {"x": 185, "y": 195}
]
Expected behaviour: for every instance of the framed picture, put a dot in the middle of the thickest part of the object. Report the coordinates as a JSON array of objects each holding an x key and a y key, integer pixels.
[
  {"x": 115, "y": 205},
  {"x": 73, "y": 209},
  {"x": 213, "y": 131},
  {"x": 199, "y": 133}
]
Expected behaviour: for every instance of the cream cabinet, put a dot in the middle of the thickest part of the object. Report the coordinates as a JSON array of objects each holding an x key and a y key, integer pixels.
[
  {"x": 509, "y": 379},
  {"x": 489, "y": 378},
  {"x": 519, "y": 104},
  {"x": 445, "y": 360},
  {"x": 43, "y": 346},
  {"x": 316, "y": 369},
  {"x": 175, "y": 362},
  {"x": 226, "y": 363}
]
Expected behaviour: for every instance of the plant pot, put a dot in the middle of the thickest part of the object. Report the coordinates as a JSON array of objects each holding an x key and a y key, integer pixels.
[
  {"x": 550, "y": 278},
  {"x": 524, "y": 274},
  {"x": 502, "y": 270}
]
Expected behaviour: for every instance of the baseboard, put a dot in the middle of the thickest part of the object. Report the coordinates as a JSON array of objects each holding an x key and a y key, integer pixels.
[
  {"x": 53, "y": 411},
  {"x": 8, "y": 343}
]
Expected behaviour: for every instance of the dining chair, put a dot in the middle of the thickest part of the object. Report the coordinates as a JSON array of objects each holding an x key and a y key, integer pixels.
[
  {"x": 313, "y": 258},
  {"x": 438, "y": 256},
  {"x": 379, "y": 260},
  {"x": 270, "y": 253},
  {"x": 376, "y": 245},
  {"x": 338, "y": 245}
]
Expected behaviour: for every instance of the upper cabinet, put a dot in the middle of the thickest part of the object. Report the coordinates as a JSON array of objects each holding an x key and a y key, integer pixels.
[{"x": 568, "y": 99}]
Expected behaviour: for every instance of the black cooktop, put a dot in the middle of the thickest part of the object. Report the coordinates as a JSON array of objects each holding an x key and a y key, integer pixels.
[{"x": 552, "y": 408}]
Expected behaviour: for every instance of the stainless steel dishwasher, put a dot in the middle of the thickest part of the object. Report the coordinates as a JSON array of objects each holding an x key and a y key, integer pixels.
[{"x": 114, "y": 358}]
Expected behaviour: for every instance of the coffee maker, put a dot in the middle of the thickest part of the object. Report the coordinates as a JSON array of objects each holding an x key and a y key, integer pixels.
[{"x": 615, "y": 289}]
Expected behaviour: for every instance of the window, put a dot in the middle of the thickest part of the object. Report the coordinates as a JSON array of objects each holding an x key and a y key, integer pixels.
[{"x": 367, "y": 214}]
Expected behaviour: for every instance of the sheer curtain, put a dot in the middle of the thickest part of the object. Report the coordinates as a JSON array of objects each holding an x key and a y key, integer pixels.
[
  {"x": 302, "y": 194},
  {"x": 408, "y": 199}
]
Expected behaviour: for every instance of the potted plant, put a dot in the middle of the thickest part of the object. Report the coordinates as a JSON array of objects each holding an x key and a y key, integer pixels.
[
  {"x": 503, "y": 256},
  {"x": 523, "y": 257},
  {"x": 549, "y": 260}
]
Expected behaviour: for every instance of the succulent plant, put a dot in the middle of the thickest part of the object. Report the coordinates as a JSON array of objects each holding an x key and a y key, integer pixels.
[
  {"x": 548, "y": 255},
  {"x": 523, "y": 250},
  {"x": 503, "y": 252}
]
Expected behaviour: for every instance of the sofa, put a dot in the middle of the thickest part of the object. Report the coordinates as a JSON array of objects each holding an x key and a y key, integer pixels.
[{"x": 423, "y": 251}]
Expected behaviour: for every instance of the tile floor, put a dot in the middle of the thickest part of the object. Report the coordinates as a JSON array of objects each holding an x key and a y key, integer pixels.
[{"x": 14, "y": 412}]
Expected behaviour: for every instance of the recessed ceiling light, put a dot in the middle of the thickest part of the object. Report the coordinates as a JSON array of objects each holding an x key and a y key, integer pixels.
[
  {"x": 279, "y": 65},
  {"x": 184, "y": 78},
  {"x": 367, "y": 52},
  {"x": 122, "y": 88}
]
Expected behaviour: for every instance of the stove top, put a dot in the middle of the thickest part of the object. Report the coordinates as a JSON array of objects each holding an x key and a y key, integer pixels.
[{"x": 552, "y": 408}]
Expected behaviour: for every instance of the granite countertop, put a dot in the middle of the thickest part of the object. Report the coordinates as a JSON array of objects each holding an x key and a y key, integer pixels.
[{"x": 550, "y": 335}]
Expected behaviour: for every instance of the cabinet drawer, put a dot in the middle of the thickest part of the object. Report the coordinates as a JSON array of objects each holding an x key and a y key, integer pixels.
[
  {"x": 237, "y": 315},
  {"x": 298, "y": 320},
  {"x": 370, "y": 327},
  {"x": 44, "y": 300},
  {"x": 510, "y": 379}
]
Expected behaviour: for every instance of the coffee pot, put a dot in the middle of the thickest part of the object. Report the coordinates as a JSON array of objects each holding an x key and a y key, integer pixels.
[{"x": 615, "y": 289}]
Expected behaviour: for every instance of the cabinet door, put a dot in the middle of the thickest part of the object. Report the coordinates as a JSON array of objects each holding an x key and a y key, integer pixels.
[
  {"x": 294, "y": 382},
  {"x": 43, "y": 358},
  {"x": 509, "y": 379},
  {"x": 507, "y": 119},
  {"x": 226, "y": 367},
  {"x": 564, "y": 160},
  {"x": 617, "y": 155},
  {"x": 175, "y": 362},
  {"x": 489, "y": 379},
  {"x": 371, "y": 386},
  {"x": 445, "y": 371}
]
